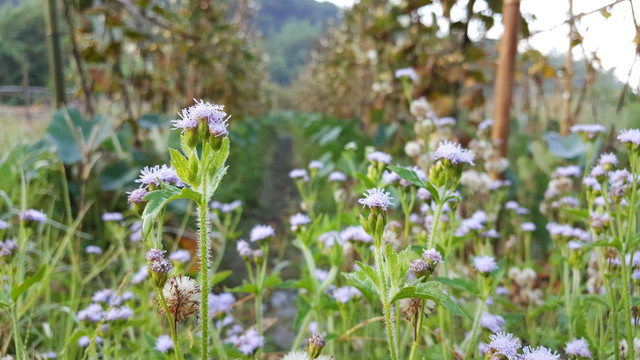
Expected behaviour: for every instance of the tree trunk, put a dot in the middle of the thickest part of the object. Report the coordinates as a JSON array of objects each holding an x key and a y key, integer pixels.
[
  {"x": 506, "y": 67},
  {"x": 56, "y": 70}
]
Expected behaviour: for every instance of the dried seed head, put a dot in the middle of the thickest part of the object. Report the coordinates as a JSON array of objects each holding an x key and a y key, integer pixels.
[{"x": 182, "y": 294}]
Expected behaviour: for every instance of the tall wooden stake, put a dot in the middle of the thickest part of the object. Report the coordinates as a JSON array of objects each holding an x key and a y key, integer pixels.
[
  {"x": 506, "y": 68},
  {"x": 55, "y": 52}
]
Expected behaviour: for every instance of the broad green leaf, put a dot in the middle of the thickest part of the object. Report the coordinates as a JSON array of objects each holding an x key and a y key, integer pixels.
[
  {"x": 567, "y": 147},
  {"x": 272, "y": 280},
  {"x": 219, "y": 277},
  {"x": 409, "y": 175},
  {"x": 362, "y": 282},
  {"x": 364, "y": 180},
  {"x": 246, "y": 287},
  {"x": 303, "y": 307},
  {"x": 180, "y": 163},
  {"x": 429, "y": 290},
  {"x": 461, "y": 284},
  {"x": 18, "y": 290},
  {"x": 158, "y": 199},
  {"x": 72, "y": 133}
]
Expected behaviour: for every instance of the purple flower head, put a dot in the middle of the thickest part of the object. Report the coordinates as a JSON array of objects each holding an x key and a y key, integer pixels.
[
  {"x": 249, "y": 341},
  {"x": 299, "y": 219},
  {"x": 330, "y": 238},
  {"x": 406, "y": 72},
  {"x": 578, "y": 347},
  {"x": 164, "y": 173},
  {"x": 591, "y": 130},
  {"x": 423, "y": 194},
  {"x": 84, "y": 341},
  {"x": 119, "y": 313},
  {"x": 33, "y": 215},
  {"x": 3, "y": 225},
  {"x": 299, "y": 174},
  {"x": 137, "y": 195},
  {"x": 491, "y": 233},
  {"x": 528, "y": 227},
  {"x": 161, "y": 266},
  {"x": 493, "y": 323},
  {"x": 219, "y": 303},
  {"x": 379, "y": 156},
  {"x": 164, "y": 343},
  {"x": 180, "y": 255},
  {"x": 93, "y": 312},
  {"x": 444, "y": 121},
  {"x": 511, "y": 205},
  {"x": 103, "y": 296},
  {"x": 140, "y": 276},
  {"x": 316, "y": 164},
  {"x": 227, "y": 208},
  {"x": 505, "y": 344},
  {"x": 49, "y": 355},
  {"x": 212, "y": 113},
  {"x": 454, "y": 153},
  {"x": 389, "y": 177},
  {"x": 260, "y": 232},
  {"x": 337, "y": 176},
  {"x": 432, "y": 255},
  {"x": 485, "y": 124},
  {"x": 619, "y": 177},
  {"x": 485, "y": 264},
  {"x": 345, "y": 293},
  {"x": 539, "y": 353},
  {"x": 376, "y": 198},
  {"x": 566, "y": 171},
  {"x": 355, "y": 233},
  {"x": 243, "y": 248},
  {"x": 155, "y": 254},
  {"x": 592, "y": 183},
  {"x": 608, "y": 159},
  {"x": 630, "y": 136},
  {"x": 184, "y": 122},
  {"x": 574, "y": 245},
  {"x": 111, "y": 216}
]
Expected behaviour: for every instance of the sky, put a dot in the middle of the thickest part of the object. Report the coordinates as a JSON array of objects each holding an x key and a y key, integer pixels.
[{"x": 611, "y": 39}]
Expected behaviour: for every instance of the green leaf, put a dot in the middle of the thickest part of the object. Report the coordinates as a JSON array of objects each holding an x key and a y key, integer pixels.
[
  {"x": 158, "y": 199},
  {"x": 362, "y": 280},
  {"x": 364, "y": 180},
  {"x": 219, "y": 277},
  {"x": 578, "y": 214},
  {"x": 568, "y": 147},
  {"x": 461, "y": 284},
  {"x": 180, "y": 163},
  {"x": 429, "y": 290},
  {"x": 303, "y": 307},
  {"x": 272, "y": 280},
  {"x": 246, "y": 287},
  {"x": 72, "y": 133},
  {"x": 5, "y": 300},
  {"x": 409, "y": 175},
  {"x": 18, "y": 290}
]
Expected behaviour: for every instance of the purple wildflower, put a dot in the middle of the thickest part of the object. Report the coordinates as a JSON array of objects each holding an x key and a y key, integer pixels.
[
  {"x": 164, "y": 343},
  {"x": 454, "y": 153},
  {"x": 33, "y": 215},
  {"x": 485, "y": 264},
  {"x": 376, "y": 198},
  {"x": 261, "y": 232}
]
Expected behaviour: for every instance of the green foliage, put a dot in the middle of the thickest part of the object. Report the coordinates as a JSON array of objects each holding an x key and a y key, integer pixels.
[{"x": 23, "y": 50}]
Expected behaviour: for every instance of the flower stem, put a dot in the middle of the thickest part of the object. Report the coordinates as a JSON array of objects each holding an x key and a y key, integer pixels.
[
  {"x": 416, "y": 341},
  {"x": 434, "y": 226},
  {"x": 204, "y": 279},
  {"x": 474, "y": 329}
]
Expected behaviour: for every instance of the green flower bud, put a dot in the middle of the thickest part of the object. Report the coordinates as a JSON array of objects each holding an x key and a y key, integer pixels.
[{"x": 316, "y": 344}]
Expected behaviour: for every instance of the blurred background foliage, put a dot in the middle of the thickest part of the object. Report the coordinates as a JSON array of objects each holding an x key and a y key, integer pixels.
[{"x": 302, "y": 78}]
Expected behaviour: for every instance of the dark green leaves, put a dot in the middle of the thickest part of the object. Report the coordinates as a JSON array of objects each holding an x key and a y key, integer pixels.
[{"x": 18, "y": 290}]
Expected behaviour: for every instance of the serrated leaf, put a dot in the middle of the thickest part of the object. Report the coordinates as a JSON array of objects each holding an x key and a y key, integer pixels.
[
  {"x": 460, "y": 284},
  {"x": 158, "y": 199},
  {"x": 18, "y": 290},
  {"x": 409, "y": 175},
  {"x": 362, "y": 282},
  {"x": 272, "y": 280},
  {"x": 179, "y": 163}
]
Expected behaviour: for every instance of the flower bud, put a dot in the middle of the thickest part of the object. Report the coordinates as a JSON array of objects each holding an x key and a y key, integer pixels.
[
  {"x": 316, "y": 344},
  {"x": 136, "y": 198}
]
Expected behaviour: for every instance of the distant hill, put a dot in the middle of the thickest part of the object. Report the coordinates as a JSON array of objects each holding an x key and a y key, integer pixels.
[{"x": 290, "y": 28}]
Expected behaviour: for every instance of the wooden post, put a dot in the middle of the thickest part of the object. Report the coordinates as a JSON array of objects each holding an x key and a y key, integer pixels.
[
  {"x": 567, "y": 121},
  {"x": 505, "y": 70},
  {"x": 56, "y": 69}
]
